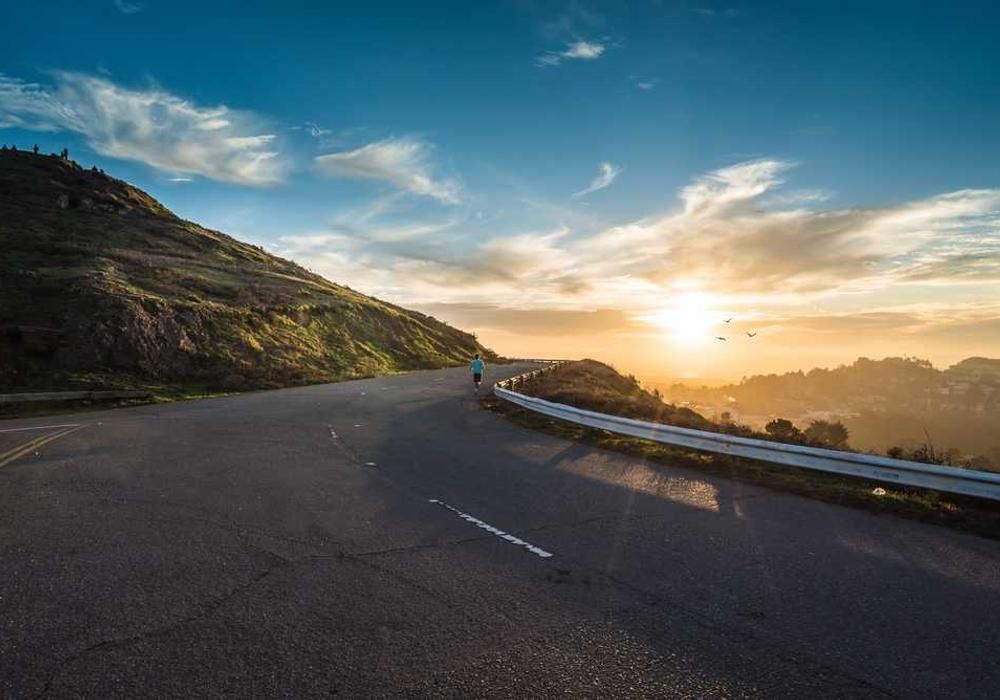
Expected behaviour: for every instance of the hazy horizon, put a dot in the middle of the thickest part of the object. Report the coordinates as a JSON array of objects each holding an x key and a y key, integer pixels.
[
  {"x": 652, "y": 355},
  {"x": 569, "y": 179}
]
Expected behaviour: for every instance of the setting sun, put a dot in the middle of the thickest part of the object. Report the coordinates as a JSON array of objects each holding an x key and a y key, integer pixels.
[{"x": 689, "y": 318}]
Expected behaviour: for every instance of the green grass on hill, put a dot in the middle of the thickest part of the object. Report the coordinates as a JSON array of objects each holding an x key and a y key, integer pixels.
[
  {"x": 595, "y": 386},
  {"x": 103, "y": 287}
]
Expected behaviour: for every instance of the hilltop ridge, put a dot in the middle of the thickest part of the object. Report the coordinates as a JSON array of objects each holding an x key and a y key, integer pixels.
[{"x": 101, "y": 285}]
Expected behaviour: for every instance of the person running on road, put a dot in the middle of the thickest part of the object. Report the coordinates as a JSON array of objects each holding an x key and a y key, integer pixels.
[{"x": 478, "y": 368}]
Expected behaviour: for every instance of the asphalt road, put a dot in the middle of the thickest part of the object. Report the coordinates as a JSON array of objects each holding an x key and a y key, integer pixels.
[{"x": 389, "y": 537}]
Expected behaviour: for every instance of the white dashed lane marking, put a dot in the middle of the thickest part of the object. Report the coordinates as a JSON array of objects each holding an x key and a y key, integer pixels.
[{"x": 538, "y": 551}]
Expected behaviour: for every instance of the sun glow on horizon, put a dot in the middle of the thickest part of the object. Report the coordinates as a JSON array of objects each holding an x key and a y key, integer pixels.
[{"x": 689, "y": 318}]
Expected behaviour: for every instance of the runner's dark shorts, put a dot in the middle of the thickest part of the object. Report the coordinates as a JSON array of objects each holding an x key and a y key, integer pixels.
[{"x": 477, "y": 377}]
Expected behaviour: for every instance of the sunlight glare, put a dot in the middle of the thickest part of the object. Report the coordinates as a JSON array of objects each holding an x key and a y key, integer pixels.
[{"x": 688, "y": 318}]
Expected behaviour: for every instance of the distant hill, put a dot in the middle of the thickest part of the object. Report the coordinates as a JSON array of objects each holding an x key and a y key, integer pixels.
[
  {"x": 895, "y": 401},
  {"x": 102, "y": 286},
  {"x": 976, "y": 369}
]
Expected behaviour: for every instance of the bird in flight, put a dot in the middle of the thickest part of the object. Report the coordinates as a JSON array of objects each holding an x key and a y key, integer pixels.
[
  {"x": 750, "y": 335},
  {"x": 719, "y": 337},
  {"x": 727, "y": 320}
]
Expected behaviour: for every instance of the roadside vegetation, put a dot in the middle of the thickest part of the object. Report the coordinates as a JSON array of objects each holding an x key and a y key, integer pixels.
[{"x": 595, "y": 386}]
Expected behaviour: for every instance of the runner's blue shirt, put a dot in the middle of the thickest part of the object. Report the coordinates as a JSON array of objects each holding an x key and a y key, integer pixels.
[{"x": 478, "y": 366}]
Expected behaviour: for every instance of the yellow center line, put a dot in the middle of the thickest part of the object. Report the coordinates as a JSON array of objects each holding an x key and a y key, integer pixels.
[
  {"x": 39, "y": 427},
  {"x": 21, "y": 450}
]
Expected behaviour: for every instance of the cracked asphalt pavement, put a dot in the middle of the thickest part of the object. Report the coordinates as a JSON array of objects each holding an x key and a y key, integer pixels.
[{"x": 293, "y": 543}]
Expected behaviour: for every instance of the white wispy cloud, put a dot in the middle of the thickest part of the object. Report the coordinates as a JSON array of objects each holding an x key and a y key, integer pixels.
[
  {"x": 731, "y": 233},
  {"x": 644, "y": 82},
  {"x": 584, "y": 49},
  {"x": 796, "y": 198},
  {"x": 723, "y": 190},
  {"x": 604, "y": 179},
  {"x": 729, "y": 238},
  {"x": 576, "y": 50},
  {"x": 314, "y": 130},
  {"x": 402, "y": 162},
  {"x": 129, "y": 8},
  {"x": 150, "y": 126}
]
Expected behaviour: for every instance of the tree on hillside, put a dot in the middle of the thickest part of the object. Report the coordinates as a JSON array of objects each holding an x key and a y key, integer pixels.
[
  {"x": 827, "y": 433},
  {"x": 782, "y": 429}
]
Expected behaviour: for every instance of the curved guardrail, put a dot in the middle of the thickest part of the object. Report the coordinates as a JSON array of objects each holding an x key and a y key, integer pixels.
[{"x": 967, "y": 482}]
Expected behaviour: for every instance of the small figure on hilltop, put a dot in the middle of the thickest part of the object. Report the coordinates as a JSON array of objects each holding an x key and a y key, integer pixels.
[
  {"x": 65, "y": 154},
  {"x": 478, "y": 368},
  {"x": 34, "y": 149}
]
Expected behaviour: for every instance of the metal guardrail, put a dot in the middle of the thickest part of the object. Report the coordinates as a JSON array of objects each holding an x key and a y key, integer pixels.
[{"x": 967, "y": 482}]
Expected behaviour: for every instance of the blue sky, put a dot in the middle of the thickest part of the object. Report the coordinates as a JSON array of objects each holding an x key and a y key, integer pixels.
[{"x": 469, "y": 156}]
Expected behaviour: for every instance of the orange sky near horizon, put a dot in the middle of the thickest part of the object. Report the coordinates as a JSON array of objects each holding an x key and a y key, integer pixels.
[{"x": 654, "y": 353}]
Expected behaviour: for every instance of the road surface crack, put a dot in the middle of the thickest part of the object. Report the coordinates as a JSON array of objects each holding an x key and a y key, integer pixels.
[
  {"x": 208, "y": 609},
  {"x": 404, "y": 549},
  {"x": 211, "y": 607}
]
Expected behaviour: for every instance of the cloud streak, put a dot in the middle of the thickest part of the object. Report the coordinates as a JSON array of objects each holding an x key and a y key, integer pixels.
[
  {"x": 604, "y": 179},
  {"x": 151, "y": 126},
  {"x": 579, "y": 50},
  {"x": 129, "y": 8},
  {"x": 730, "y": 235},
  {"x": 402, "y": 162}
]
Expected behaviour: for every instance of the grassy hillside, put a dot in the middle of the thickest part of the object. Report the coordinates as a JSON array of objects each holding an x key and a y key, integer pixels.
[
  {"x": 102, "y": 286},
  {"x": 597, "y": 387}
]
